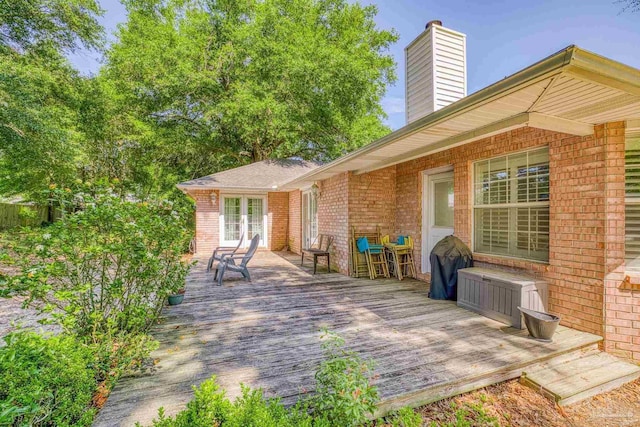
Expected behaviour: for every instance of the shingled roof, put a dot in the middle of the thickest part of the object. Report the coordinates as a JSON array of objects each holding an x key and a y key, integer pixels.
[{"x": 267, "y": 175}]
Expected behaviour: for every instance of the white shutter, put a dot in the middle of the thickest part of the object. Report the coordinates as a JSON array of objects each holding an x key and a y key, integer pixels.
[
  {"x": 511, "y": 205},
  {"x": 632, "y": 208}
]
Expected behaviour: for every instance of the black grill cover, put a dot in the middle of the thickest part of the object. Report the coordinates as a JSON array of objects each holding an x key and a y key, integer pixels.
[{"x": 447, "y": 257}]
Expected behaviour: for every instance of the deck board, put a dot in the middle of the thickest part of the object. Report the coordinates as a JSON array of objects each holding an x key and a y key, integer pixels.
[{"x": 266, "y": 334}]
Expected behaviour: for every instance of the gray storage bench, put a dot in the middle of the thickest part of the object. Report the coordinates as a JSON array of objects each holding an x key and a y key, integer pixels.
[{"x": 497, "y": 294}]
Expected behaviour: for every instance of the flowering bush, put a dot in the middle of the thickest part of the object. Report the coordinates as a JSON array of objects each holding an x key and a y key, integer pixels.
[
  {"x": 106, "y": 266},
  {"x": 103, "y": 270}
]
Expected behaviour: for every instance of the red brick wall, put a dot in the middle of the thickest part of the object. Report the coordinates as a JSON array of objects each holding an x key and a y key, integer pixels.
[
  {"x": 372, "y": 200},
  {"x": 208, "y": 217},
  {"x": 295, "y": 221},
  {"x": 333, "y": 214},
  {"x": 207, "y": 225},
  {"x": 576, "y": 240},
  {"x": 575, "y": 271},
  {"x": 278, "y": 220},
  {"x": 621, "y": 300}
]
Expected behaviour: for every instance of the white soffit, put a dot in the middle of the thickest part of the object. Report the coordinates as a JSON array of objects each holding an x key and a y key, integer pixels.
[{"x": 578, "y": 90}]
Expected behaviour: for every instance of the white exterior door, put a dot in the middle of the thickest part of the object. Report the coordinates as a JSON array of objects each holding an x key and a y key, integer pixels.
[
  {"x": 309, "y": 219},
  {"x": 242, "y": 214},
  {"x": 437, "y": 213}
]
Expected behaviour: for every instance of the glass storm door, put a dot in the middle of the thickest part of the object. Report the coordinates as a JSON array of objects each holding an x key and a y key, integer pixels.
[
  {"x": 242, "y": 215},
  {"x": 437, "y": 212},
  {"x": 309, "y": 219}
]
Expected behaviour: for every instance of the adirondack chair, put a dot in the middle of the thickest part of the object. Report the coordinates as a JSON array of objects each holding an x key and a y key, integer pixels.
[
  {"x": 221, "y": 251},
  {"x": 230, "y": 262}
]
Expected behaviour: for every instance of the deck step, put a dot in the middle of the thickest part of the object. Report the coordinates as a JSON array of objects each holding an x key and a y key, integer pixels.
[{"x": 579, "y": 375}]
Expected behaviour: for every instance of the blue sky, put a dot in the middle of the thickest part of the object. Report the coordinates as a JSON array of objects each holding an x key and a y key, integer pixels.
[{"x": 503, "y": 36}]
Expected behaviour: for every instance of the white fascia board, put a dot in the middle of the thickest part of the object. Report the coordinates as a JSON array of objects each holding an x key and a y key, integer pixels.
[
  {"x": 240, "y": 190},
  {"x": 599, "y": 69}
]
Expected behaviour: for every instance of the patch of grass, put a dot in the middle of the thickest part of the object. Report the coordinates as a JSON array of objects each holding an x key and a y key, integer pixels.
[{"x": 467, "y": 414}]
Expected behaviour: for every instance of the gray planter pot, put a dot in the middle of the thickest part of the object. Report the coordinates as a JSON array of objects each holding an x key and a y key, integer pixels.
[
  {"x": 176, "y": 299},
  {"x": 541, "y": 326}
]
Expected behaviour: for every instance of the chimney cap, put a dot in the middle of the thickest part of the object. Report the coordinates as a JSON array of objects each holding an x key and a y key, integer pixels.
[{"x": 434, "y": 22}]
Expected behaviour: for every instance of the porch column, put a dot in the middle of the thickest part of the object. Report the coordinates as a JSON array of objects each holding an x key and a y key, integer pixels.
[{"x": 621, "y": 310}]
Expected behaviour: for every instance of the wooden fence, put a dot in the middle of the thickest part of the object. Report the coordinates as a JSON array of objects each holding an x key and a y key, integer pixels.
[{"x": 20, "y": 215}]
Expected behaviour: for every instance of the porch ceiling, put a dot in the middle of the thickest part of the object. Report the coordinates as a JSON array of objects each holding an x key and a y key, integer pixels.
[{"x": 570, "y": 91}]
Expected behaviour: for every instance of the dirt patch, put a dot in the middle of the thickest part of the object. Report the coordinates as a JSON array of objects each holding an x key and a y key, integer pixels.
[
  {"x": 512, "y": 404},
  {"x": 14, "y": 317}
]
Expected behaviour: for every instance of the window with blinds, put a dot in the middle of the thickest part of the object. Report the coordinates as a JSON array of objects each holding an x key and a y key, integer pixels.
[
  {"x": 511, "y": 205},
  {"x": 632, "y": 202}
]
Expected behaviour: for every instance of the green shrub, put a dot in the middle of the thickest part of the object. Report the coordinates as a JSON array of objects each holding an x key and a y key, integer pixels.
[
  {"x": 210, "y": 407},
  {"x": 118, "y": 354},
  {"x": 45, "y": 381},
  {"x": 344, "y": 394},
  {"x": 344, "y": 397},
  {"x": 105, "y": 268},
  {"x": 405, "y": 417},
  {"x": 102, "y": 271}
]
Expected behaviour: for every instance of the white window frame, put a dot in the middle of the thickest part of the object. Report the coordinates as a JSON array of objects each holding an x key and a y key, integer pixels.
[
  {"x": 512, "y": 205},
  {"x": 243, "y": 214},
  {"x": 312, "y": 199},
  {"x": 630, "y": 201}
]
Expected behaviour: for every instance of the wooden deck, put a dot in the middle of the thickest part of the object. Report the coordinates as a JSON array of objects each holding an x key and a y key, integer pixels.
[{"x": 266, "y": 334}]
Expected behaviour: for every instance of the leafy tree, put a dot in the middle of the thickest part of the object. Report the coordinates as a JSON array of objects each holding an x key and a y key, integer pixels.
[
  {"x": 61, "y": 24},
  {"x": 40, "y": 93},
  {"x": 630, "y": 5},
  {"x": 39, "y": 142},
  {"x": 205, "y": 85}
]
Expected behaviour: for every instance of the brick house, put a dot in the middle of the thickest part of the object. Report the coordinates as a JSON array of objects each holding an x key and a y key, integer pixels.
[{"x": 529, "y": 172}]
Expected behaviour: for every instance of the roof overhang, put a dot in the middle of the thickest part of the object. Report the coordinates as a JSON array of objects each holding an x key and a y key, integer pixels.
[
  {"x": 240, "y": 190},
  {"x": 569, "y": 92}
]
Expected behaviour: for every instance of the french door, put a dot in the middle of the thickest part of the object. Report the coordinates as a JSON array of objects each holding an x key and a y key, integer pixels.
[
  {"x": 242, "y": 214},
  {"x": 309, "y": 218}
]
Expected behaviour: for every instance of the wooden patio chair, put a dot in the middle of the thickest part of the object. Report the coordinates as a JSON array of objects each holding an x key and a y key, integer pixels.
[
  {"x": 359, "y": 260},
  {"x": 375, "y": 256},
  {"x": 319, "y": 248},
  {"x": 221, "y": 251},
  {"x": 401, "y": 257},
  {"x": 229, "y": 262}
]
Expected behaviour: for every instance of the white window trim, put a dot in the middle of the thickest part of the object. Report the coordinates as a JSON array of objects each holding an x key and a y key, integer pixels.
[
  {"x": 632, "y": 132},
  {"x": 309, "y": 195},
  {"x": 243, "y": 197},
  {"x": 503, "y": 206}
]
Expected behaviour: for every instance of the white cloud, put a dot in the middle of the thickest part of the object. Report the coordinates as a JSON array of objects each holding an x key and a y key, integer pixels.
[{"x": 393, "y": 105}]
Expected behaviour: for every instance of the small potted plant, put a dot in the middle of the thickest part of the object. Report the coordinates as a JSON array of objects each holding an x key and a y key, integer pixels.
[{"x": 176, "y": 298}]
